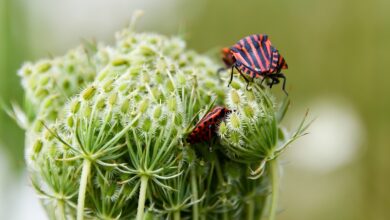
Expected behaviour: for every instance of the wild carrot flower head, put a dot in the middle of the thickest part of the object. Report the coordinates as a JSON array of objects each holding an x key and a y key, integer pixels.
[{"x": 107, "y": 125}]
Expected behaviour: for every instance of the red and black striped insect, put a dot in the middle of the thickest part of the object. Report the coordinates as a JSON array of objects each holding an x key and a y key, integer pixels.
[
  {"x": 206, "y": 128},
  {"x": 255, "y": 56}
]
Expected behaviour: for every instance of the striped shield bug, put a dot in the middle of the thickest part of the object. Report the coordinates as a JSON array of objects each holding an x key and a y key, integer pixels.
[
  {"x": 206, "y": 128},
  {"x": 255, "y": 56}
]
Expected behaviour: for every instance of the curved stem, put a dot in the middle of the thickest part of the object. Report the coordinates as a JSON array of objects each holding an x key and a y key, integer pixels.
[
  {"x": 83, "y": 188},
  {"x": 142, "y": 198},
  {"x": 275, "y": 188},
  {"x": 194, "y": 187}
]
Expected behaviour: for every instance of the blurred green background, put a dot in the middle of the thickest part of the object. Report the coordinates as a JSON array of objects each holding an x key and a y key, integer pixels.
[{"x": 337, "y": 51}]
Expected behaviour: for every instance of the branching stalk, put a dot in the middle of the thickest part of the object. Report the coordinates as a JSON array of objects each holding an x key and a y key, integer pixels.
[
  {"x": 61, "y": 210},
  {"x": 221, "y": 180},
  {"x": 275, "y": 188},
  {"x": 83, "y": 188},
  {"x": 142, "y": 198},
  {"x": 176, "y": 215},
  {"x": 250, "y": 209},
  {"x": 194, "y": 187}
]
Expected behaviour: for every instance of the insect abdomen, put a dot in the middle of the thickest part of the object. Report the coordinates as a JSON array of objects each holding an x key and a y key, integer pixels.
[{"x": 205, "y": 129}]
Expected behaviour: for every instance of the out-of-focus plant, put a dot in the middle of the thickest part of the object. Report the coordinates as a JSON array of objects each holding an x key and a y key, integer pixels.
[{"x": 106, "y": 129}]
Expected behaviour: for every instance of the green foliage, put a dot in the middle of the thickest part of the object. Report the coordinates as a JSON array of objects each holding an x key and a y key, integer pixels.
[
  {"x": 13, "y": 50},
  {"x": 107, "y": 126}
]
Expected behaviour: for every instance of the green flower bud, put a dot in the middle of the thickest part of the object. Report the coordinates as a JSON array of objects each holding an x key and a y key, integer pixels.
[
  {"x": 113, "y": 98},
  {"x": 37, "y": 126},
  {"x": 157, "y": 94},
  {"x": 223, "y": 129},
  {"x": 169, "y": 86},
  {"x": 145, "y": 77},
  {"x": 235, "y": 85},
  {"x": 101, "y": 104},
  {"x": 172, "y": 104},
  {"x": 178, "y": 120},
  {"x": 119, "y": 62},
  {"x": 235, "y": 99},
  {"x": 161, "y": 65},
  {"x": 147, "y": 125},
  {"x": 250, "y": 96},
  {"x": 48, "y": 134},
  {"x": 146, "y": 50},
  {"x": 108, "y": 86},
  {"x": 125, "y": 106},
  {"x": 234, "y": 121},
  {"x": 66, "y": 85},
  {"x": 37, "y": 147},
  {"x": 70, "y": 68},
  {"x": 143, "y": 106},
  {"x": 41, "y": 93},
  {"x": 52, "y": 115},
  {"x": 123, "y": 87},
  {"x": 103, "y": 74},
  {"x": 87, "y": 110},
  {"x": 249, "y": 112},
  {"x": 44, "y": 80},
  {"x": 89, "y": 92},
  {"x": 157, "y": 112},
  {"x": 43, "y": 67},
  {"x": 32, "y": 84},
  {"x": 75, "y": 106},
  {"x": 163, "y": 121},
  {"x": 70, "y": 121},
  {"x": 48, "y": 102},
  {"x": 159, "y": 78},
  {"x": 135, "y": 71},
  {"x": 26, "y": 70},
  {"x": 235, "y": 138},
  {"x": 181, "y": 79}
]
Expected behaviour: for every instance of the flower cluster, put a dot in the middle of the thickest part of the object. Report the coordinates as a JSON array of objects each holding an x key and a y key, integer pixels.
[{"x": 107, "y": 130}]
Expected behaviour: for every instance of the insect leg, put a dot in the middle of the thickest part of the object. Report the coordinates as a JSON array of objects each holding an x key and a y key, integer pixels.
[
  {"x": 271, "y": 84},
  {"x": 253, "y": 77},
  {"x": 246, "y": 80},
  {"x": 274, "y": 81},
  {"x": 231, "y": 76},
  {"x": 281, "y": 75},
  {"x": 264, "y": 77}
]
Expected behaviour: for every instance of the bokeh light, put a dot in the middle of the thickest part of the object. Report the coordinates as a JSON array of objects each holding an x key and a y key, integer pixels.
[{"x": 335, "y": 137}]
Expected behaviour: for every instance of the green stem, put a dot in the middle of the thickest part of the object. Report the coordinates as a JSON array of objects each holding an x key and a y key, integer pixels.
[
  {"x": 83, "y": 188},
  {"x": 250, "y": 210},
  {"x": 176, "y": 215},
  {"x": 194, "y": 186},
  {"x": 221, "y": 180},
  {"x": 225, "y": 215},
  {"x": 275, "y": 188},
  {"x": 142, "y": 197},
  {"x": 61, "y": 210}
]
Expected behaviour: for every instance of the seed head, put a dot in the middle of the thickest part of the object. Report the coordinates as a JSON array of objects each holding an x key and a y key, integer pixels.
[{"x": 110, "y": 117}]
